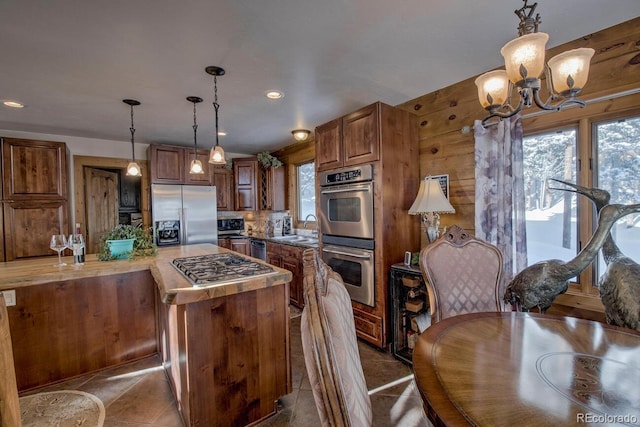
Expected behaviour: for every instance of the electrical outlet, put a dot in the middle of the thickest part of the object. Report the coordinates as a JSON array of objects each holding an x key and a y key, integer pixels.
[{"x": 9, "y": 297}]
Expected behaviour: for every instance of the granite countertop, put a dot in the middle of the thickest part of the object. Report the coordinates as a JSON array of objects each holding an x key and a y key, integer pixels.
[
  {"x": 173, "y": 286},
  {"x": 301, "y": 240}
]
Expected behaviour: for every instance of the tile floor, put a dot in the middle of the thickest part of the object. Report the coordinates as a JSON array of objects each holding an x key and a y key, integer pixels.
[{"x": 138, "y": 394}]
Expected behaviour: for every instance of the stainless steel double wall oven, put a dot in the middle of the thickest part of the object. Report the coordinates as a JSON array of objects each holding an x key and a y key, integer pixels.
[{"x": 347, "y": 224}]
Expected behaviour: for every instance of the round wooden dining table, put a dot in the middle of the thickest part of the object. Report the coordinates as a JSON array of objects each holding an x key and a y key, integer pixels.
[{"x": 511, "y": 368}]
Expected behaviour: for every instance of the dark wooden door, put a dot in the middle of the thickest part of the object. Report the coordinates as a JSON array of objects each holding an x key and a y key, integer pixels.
[
  {"x": 101, "y": 195},
  {"x": 167, "y": 164}
]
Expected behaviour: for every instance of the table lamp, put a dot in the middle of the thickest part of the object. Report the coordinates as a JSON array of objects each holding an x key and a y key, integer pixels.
[{"x": 430, "y": 203}]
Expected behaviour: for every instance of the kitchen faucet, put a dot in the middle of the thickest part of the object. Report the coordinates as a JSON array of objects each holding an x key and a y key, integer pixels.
[{"x": 306, "y": 220}]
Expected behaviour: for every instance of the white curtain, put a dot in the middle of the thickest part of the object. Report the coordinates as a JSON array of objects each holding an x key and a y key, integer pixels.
[{"x": 499, "y": 204}]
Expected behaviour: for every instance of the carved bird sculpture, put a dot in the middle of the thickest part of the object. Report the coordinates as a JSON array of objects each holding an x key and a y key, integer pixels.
[
  {"x": 539, "y": 284},
  {"x": 620, "y": 284}
]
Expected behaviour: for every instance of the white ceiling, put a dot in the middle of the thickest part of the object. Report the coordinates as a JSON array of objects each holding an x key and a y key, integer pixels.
[{"x": 72, "y": 62}]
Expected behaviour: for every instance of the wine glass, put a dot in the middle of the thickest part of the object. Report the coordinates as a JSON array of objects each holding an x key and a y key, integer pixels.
[
  {"x": 59, "y": 243},
  {"x": 76, "y": 242}
]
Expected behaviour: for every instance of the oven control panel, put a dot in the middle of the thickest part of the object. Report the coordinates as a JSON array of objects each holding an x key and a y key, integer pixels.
[{"x": 346, "y": 175}]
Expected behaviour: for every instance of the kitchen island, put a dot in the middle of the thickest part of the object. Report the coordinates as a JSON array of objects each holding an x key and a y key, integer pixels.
[{"x": 225, "y": 346}]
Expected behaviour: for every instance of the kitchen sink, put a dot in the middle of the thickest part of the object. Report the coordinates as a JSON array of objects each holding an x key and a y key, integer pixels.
[{"x": 296, "y": 238}]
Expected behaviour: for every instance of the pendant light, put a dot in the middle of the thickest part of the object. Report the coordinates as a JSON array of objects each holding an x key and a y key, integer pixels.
[
  {"x": 133, "y": 169},
  {"x": 217, "y": 153},
  {"x": 196, "y": 165}
]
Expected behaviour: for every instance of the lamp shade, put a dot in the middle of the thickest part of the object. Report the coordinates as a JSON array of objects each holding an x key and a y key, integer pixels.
[
  {"x": 570, "y": 70},
  {"x": 493, "y": 88},
  {"x": 430, "y": 198},
  {"x": 216, "y": 156},
  {"x": 524, "y": 56}
]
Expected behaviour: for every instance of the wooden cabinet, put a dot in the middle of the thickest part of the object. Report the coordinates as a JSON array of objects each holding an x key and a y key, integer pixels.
[
  {"x": 272, "y": 189},
  {"x": 350, "y": 140},
  {"x": 258, "y": 188},
  {"x": 224, "y": 242},
  {"x": 223, "y": 180},
  {"x": 386, "y": 138},
  {"x": 66, "y": 328},
  {"x": 246, "y": 182},
  {"x": 242, "y": 246},
  {"x": 35, "y": 191},
  {"x": 170, "y": 165},
  {"x": 290, "y": 258},
  {"x": 166, "y": 164}
]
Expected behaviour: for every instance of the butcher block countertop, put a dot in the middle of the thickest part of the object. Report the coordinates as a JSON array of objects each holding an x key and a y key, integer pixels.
[{"x": 174, "y": 288}]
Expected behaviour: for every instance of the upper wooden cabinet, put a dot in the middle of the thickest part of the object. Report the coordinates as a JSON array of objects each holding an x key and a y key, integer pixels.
[
  {"x": 34, "y": 202},
  {"x": 245, "y": 173},
  {"x": 34, "y": 169},
  {"x": 272, "y": 189},
  {"x": 170, "y": 165},
  {"x": 350, "y": 140},
  {"x": 258, "y": 188},
  {"x": 223, "y": 180}
]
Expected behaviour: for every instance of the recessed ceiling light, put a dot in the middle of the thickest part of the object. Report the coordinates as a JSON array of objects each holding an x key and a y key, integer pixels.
[
  {"x": 222, "y": 133},
  {"x": 274, "y": 94},
  {"x": 13, "y": 104}
]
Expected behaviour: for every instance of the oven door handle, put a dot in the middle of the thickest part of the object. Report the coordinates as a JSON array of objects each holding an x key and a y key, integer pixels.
[
  {"x": 345, "y": 190},
  {"x": 331, "y": 251}
]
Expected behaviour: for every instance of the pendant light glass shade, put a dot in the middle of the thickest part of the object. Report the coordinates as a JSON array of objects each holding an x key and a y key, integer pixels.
[
  {"x": 196, "y": 165},
  {"x": 217, "y": 156},
  {"x": 133, "y": 169}
]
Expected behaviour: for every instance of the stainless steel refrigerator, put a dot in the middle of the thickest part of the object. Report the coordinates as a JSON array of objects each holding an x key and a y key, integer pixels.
[{"x": 192, "y": 206}]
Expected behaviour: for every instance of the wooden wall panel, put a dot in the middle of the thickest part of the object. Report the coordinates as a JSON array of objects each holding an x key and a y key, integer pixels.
[{"x": 90, "y": 324}]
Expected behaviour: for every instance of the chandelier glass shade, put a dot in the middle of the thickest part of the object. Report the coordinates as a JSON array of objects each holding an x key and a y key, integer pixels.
[{"x": 524, "y": 58}]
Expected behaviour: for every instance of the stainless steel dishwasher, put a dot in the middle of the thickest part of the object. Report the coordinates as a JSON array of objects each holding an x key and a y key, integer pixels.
[{"x": 259, "y": 249}]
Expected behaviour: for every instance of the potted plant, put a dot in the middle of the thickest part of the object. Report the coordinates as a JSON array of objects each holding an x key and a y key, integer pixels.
[
  {"x": 126, "y": 241},
  {"x": 267, "y": 160}
]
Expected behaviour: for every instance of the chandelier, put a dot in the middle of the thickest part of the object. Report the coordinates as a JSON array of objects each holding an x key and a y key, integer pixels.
[
  {"x": 216, "y": 156},
  {"x": 566, "y": 73}
]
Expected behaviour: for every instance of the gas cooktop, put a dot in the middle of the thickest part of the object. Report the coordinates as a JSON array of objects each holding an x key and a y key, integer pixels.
[{"x": 205, "y": 270}]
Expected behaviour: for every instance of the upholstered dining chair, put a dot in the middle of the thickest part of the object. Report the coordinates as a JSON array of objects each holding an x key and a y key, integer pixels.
[
  {"x": 330, "y": 347},
  {"x": 463, "y": 274}
]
